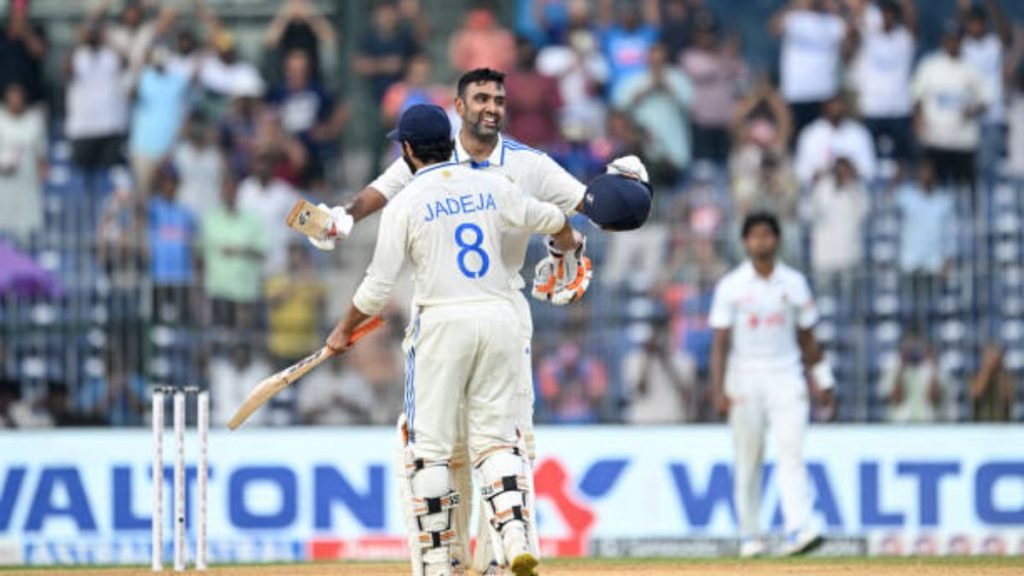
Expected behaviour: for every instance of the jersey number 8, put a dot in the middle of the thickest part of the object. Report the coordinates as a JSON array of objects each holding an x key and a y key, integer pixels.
[{"x": 471, "y": 247}]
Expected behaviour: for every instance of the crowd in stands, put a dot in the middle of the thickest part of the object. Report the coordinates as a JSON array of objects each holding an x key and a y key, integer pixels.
[{"x": 151, "y": 175}]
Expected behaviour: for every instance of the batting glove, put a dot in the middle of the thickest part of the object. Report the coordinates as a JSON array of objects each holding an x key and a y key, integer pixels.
[
  {"x": 562, "y": 277},
  {"x": 628, "y": 166},
  {"x": 342, "y": 227}
]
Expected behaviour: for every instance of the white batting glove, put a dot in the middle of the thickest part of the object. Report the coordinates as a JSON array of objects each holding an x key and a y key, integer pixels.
[
  {"x": 628, "y": 166},
  {"x": 343, "y": 223}
]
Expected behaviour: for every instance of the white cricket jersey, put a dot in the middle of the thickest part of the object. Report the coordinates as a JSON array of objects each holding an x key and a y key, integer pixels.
[
  {"x": 763, "y": 315},
  {"x": 452, "y": 222},
  {"x": 531, "y": 170}
]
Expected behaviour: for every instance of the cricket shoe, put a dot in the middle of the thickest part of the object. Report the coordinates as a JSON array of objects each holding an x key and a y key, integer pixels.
[
  {"x": 803, "y": 541},
  {"x": 524, "y": 562},
  {"x": 752, "y": 548}
]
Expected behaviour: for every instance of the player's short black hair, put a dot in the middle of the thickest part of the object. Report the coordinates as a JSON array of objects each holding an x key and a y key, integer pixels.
[
  {"x": 433, "y": 152},
  {"x": 755, "y": 219},
  {"x": 479, "y": 75}
]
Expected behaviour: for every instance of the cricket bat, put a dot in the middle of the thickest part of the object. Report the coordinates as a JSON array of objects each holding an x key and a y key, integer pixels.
[
  {"x": 306, "y": 218},
  {"x": 269, "y": 387}
]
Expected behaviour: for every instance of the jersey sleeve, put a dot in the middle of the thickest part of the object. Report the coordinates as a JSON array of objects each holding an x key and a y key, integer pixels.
[
  {"x": 721, "y": 317},
  {"x": 391, "y": 182},
  {"x": 388, "y": 258},
  {"x": 521, "y": 211},
  {"x": 549, "y": 182},
  {"x": 803, "y": 300}
]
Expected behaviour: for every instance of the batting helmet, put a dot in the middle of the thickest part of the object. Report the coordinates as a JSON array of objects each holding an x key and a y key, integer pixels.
[{"x": 617, "y": 203}]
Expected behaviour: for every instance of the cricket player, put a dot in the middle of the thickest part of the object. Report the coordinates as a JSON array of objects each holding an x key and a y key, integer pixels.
[
  {"x": 763, "y": 315},
  {"x": 619, "y": 201},
  {"x": 451, "y": 223}
]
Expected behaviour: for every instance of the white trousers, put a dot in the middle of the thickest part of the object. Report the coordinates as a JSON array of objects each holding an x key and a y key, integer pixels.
[
  {"x": 462, "y": 361},
  {"x": 776, "y": 400}
]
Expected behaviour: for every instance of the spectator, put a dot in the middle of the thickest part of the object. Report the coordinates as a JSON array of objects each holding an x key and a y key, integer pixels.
[
  {"x": 335, "y": 396},
  {"x": 222, "y": 73},
  {"x": 240, "y": 126},
  {"x": 58, "y": 405},
  {"x": 659, "y": 100},
  {"x": 914, "y": 387},
  {"x": 14, "y": 413},
  {"x": 381, "y": 60},
  {"x": 289, "y": 155},
  {"x": 295, "y": 297},
  {"x": 834, "y": 134},
  {"x": 161, "y": 102},
  {"x": 200, "y": 164},
  {"x": 97, "y": 107},
  {"x": 118, "y": 395},
  {"x": 234, "y": 244},
  {"x": 660, "y": 381},
  {"x": 582, "y": 72},
  {"x": 927, "y": 235},
  {"x": 231, "y": 379},
  {"x": 716, "y": 71},
  {"x": 122, "y": 243},
  {"x": 950, "y": 99},
  {"x": 23, "y": 50},
  {"x": 679, "y": 19},
  {"x": 572, "y": 382},
  {"x": 308, "y": 112},
  {"x": 839, "y": 207},
  {"x": 628, "y": 35},
  {"x": 812, "y": 35},
  {"x": 22, "y": 165},
  {"x": 184, "y": 59},
  {"x": 760, "y": 135},
  {"x": 549, "y": 24},
  {"x": 770, "y": 187},
  {"x": 983, "y": 49},
  {"x": 885, "y": 60},
  {"x": 271, "y": 199},
  {"x": 992, "y": 388},
  {"x": 299, "y": 26},
  {"x": 172, "y": 229},
  {"x": 533, "y": 101},
  {"x": 1015, "y": 140},
  {"x": 481, "y": 43},
  {"x": 417, "y": 87},
  {"x": 133, "y": 35}
]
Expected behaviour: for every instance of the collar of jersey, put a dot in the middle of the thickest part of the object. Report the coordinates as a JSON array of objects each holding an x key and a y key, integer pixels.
[
  {"x": 497, "y": 158},
  {"x": 748, "y": 269},
  {"x": 432, "y": 167}
]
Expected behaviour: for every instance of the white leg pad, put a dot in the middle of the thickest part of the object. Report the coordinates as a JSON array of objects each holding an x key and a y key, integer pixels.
[
  {"x": 505, "y": 487},
  {"x": 429, "y": 504},
  {"x": 486, "y": 557}
]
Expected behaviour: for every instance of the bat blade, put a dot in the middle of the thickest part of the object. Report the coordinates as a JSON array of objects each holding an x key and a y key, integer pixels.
[
  {"x": 307, "y": 219},
  {"x": 272, "y": 385}
]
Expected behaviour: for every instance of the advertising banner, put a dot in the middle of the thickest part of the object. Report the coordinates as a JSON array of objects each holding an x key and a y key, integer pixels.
[{"x": 84, "y": 496}]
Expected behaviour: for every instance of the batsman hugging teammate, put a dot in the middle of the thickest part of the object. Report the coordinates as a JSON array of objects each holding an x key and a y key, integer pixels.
[
  {"x": 763, "y": 360},
  {"x": 450, "y": 222},
  {"x": 620, "y": 200}
]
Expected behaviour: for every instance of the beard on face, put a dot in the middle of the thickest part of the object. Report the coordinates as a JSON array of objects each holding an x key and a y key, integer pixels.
[{"x": 478, "y": 129}]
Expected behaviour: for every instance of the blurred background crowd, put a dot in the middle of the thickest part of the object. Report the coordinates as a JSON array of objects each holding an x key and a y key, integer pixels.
[{"x": 150, "y": 152}]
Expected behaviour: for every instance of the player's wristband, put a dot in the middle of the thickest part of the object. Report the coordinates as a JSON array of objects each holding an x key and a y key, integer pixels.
[{"x": 823, "y": 376}]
